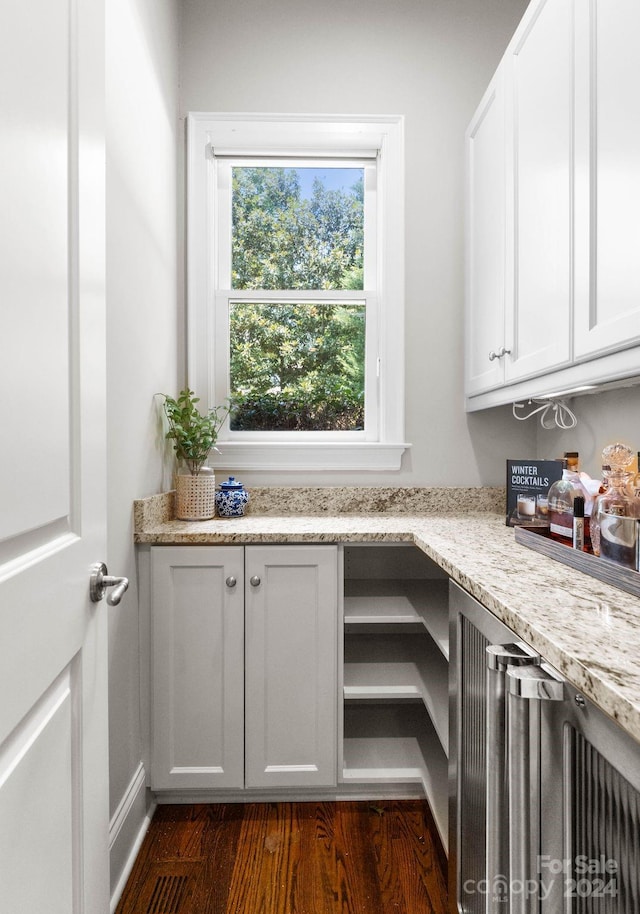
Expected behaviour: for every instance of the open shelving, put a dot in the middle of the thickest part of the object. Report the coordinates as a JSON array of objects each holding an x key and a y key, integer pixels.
[
  {"x": 393, "y": 602},
  {"x": 397, "y": 667},
  {"x": 396, "y": 744},
  {"x": 395, "y": 676}
]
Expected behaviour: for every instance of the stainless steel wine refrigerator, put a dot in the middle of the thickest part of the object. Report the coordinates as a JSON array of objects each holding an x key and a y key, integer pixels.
[{"x": 545, "y": 788}]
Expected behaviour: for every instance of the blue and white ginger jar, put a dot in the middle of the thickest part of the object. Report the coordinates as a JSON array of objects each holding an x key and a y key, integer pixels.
[{"x": 231, "y": 498}]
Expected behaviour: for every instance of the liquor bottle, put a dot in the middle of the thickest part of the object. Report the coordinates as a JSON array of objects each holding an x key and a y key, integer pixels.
[
  {"x": 561, "y": 495},
  {"x": 573, "y": 461},
  {"x": 578, "y": 523},
  {"x": 618, "y": 508}
]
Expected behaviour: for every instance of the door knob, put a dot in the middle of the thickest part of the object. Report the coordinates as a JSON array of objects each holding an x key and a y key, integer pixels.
[
  {"x": 254, "y": 581},
  {"x": 99, "y": 582},
  {"x": 231, "y": 581}
]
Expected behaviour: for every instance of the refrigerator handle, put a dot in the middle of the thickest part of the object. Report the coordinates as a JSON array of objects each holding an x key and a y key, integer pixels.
[
  {"x": 527, "y": 688},
  {"x": 499, "y": 658}
]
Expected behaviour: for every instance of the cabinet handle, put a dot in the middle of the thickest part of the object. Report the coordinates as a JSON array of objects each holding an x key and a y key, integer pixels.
[
  {"x": 500, "y": 658},
  {"x": 499, "y": 354},
  {"x": 231, "y": 581},
  {"x": 527, "y": 688},
  {"x": 254, "y": 580}
]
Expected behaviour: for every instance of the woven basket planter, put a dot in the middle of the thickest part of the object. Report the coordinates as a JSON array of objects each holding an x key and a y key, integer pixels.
[{"x": 195, "y": 496}]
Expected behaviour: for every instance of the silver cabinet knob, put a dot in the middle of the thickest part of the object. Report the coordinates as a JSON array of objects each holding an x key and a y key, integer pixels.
[
  {"x": 254, "y": 580},
  {"x": 100, "y": 580},
  {"x": 231, "y": 581},
  {"x": 499, "y": 354}
]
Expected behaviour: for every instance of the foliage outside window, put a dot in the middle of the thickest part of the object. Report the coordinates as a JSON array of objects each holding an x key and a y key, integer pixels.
[
  {"x": 283, "y": 238},
  {"x": 297, "y": 366}
]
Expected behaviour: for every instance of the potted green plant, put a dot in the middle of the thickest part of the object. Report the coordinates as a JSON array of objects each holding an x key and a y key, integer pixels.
[{"x": 194, "y": 436}]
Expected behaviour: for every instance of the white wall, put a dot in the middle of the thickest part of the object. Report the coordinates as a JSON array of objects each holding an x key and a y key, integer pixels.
[
  {"x": 429, "y": 60},
  {"x": 142, "y": 328},
  {"x": 603, "y": 419}
]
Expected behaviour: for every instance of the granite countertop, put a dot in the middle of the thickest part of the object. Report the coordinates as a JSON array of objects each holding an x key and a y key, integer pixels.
[{"x": 588, "y": 630}]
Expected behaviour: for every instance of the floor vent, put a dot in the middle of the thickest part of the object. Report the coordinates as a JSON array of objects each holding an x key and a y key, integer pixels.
[{"x": 168, "y": 895}]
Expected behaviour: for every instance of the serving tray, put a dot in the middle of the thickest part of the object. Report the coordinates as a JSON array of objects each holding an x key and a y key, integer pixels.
[{"x": 538, "y": 539}]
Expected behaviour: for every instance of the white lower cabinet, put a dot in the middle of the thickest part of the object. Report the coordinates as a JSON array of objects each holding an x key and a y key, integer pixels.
[
  {"x": 197, "y": 621},
  {"x": 291, "y": 675},
  {"x": 258, "y": 683},
  {"x": 244, "y": 667}
]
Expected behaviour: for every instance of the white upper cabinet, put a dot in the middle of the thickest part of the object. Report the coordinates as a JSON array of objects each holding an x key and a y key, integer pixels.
[
  {"x": 519, "y": 207},
  {"x": 553, "y": 207},
  {"x": 539, "y": 90},
  {"x": 608, "y": 176},
  {"x": 485, "y": 240}
]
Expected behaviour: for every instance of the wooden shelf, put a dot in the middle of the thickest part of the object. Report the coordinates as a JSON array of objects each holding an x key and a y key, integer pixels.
[
  {"x": 396, "y": 744},
  {"x": 398, "y": 667},
  {"x": 391, "y": 602}
]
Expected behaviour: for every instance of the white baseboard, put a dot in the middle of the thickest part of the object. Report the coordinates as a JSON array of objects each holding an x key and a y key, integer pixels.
[
  {"x": 126, "y": 832},
  {"x": 348, "y": 791}
]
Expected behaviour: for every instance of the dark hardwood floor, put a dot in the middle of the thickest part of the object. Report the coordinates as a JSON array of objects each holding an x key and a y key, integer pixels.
[{"x": 290, "y": 858}]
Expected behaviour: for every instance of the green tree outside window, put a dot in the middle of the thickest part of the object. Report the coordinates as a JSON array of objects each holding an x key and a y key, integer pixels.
[{"x": 296, "y": 366}]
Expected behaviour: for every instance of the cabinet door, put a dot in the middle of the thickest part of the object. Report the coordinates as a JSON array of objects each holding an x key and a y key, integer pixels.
[
  {"x": 198, "y": 666},
  {"x": 607, "y": 176},
  {"x": 485, "y": 241},
  {"x": 539, "y": 87},
  {"x": 291, "y": 666}
]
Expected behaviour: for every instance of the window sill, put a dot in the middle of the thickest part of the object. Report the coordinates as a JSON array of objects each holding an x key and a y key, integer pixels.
[{"x": 311, "y": 455}]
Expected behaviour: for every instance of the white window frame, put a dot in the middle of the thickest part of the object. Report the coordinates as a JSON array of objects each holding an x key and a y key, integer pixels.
[{"x": 381, "y": 445}]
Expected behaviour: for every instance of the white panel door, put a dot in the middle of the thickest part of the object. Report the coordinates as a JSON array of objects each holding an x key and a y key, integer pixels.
[
  {"x": 198, "y": 666},
  {"x": 291, "y": 666},
  {"x": 485, "y": 241},
  {"x": 540, "y": 191},
  {"x": 53, "y": 651},
  {"x": 608, "y": 176}
]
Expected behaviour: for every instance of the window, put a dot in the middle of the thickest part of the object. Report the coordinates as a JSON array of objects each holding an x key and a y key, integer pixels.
[
  {"x": 295, "y": 281},
  {"x": 293, "y": 363}
]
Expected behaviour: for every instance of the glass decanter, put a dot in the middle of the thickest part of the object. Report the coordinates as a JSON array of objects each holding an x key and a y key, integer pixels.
[
  {"x": 595, "y": 526},
  {"x": 617, "y": 509},
  {"x": 560, "y": 504}
]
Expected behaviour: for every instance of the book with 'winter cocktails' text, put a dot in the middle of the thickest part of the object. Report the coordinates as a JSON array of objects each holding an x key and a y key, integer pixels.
[{"x": 528, "y": 483}]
